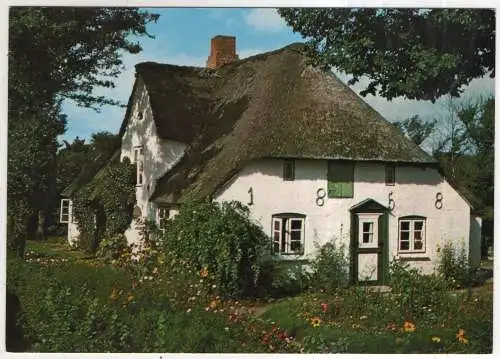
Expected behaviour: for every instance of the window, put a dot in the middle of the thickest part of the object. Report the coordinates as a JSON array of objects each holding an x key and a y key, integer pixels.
[
  {"x": 65, "y": 212},
  {"x": 368, "y": 230},
  {"x": 390, "y": 175},
  {"x": 340, "y": 179},
  {"x": 162, "y": 217},
  {"x": 288, "y": 170},
  {"x": 412, "y": 234},
  {"x": 288, "y": 233},
  {"x": 139, "y": 162}
]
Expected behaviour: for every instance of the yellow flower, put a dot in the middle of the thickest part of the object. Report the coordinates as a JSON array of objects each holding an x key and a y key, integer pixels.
[
  {"x": 213, "y": 304},
  {"x": 436, "y": 339},
  {"x": 113, "y": 294},
  {"x": 461, "y": 336},
  {"x": 315, "y": 321},
  {"x": 409, "y": 327},
  {"x": 204, "y": 272},
  {"x": 130, "y": 297}
]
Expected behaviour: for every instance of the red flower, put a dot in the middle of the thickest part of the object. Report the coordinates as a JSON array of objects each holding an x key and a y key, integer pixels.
[{"x": 324, "y": 306}]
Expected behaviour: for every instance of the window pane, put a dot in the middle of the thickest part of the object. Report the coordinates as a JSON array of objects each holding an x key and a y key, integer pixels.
[
  {"x": 404, "y": 236},
  {"x": 418, "y": 235},
  {"x": 276, "y": 247},
  {"x": 288, "y": 169},
  {"x": 276, "y": 236},
  {"x": 404, "y": 246},
  {"x": 295, "y": 246},
  {"x": 277, "y": 225},
  {"x": 405, "y": 225},
  {"x": 367, "y": 227},
  {"x": 389, "y": 175},
  {"x": 418, "y": 245},
  {"x": 419, "y": 225},
  {"x": 295, "y": 235},
  {"x": 296, "y": 224},
  {"x": 367, "y": 238}
]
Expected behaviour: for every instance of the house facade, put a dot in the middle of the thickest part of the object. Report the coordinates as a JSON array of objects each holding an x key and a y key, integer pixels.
[{"x": 311, "y": 160}]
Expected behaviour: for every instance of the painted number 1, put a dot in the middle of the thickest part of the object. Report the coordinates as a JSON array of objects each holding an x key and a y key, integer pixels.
[{"x": 250, "y": 192}]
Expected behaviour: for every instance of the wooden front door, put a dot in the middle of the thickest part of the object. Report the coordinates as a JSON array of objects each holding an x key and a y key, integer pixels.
[{"x": 369, "y": 247}]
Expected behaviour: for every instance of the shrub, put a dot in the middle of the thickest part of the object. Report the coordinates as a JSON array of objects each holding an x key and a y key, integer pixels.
[
  {"x": 222, "y": 239},
  {"x": 330, "y": 268},
  {"x": 418, "y": 295},
  {"x": 279, "y": 278},
  {"x": 454, "y": 266},
  {"x": 113, "y": 247}
]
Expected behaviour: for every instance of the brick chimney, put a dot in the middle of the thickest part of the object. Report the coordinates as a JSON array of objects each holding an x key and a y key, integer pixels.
[{"x": 222, "y": 51}]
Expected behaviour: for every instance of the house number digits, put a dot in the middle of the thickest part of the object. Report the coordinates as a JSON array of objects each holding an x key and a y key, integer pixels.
[
  {"x": 439, "y": 200},
  {"x": 320, "y": 197},
  {"x": 392, "y": 204},
  {"x": 250, "y": 192}
]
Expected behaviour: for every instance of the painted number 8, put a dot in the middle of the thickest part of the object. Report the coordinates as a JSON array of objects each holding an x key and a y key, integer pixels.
[
  {"x": 439, "y": 200},
  {"x": 320, "y": 197}
]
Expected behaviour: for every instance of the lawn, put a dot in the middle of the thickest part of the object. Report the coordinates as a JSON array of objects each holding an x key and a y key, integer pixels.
[{"x": 74, "y": 302}]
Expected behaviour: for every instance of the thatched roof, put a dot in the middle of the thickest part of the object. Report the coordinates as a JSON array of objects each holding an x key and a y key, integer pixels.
[
  {"x": 91, "y": 171},
  {"x": 273, "y": 105}
]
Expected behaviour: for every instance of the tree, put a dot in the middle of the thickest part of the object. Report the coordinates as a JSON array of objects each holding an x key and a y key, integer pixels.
[
  {"x": 417, "y": 53},
  {"x": 416, "y": 129},
  {"x": 55, "y": 54},
  {"x": 466, "y": 154}
]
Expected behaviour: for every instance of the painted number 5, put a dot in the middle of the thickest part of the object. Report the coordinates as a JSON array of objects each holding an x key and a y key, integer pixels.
[{"x": 392, "y": 204}]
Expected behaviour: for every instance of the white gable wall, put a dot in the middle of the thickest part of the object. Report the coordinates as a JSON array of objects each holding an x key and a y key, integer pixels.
[
  {"x": 414, "y": 194},
  {"x": 159, "y": 155}
]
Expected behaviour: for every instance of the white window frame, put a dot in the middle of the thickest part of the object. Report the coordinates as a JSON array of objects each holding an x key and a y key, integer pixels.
[
  {"x": 162, "y": 214},
  {"x": 66, "y": 210},
  {"x": 139, "y": 165},
  {"x": 411, "y": 237},
  {"x": 284, "y": 231},
  {"x": 371, "y": 218}
]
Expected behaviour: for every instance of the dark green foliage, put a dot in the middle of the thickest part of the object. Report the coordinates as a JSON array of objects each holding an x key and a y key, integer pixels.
[
  {"x": 330, "y": 268},
  {"x": 221, "y": 238},
  {"x": 417, "y": 53},
  {"x": 455, "y": 267},
  {"x": 111, "y": 248},
  {"x": 280, "y": 278},
  {"x": 104, "y": 207},
  {"x": 416, "y": 129},
  {"x": 415, "y": 292}
]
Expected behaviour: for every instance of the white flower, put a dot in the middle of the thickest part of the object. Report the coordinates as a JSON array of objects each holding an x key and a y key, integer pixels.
[
  {"x": 189, "y": 310},
  {"x": 226, "y": 329}
]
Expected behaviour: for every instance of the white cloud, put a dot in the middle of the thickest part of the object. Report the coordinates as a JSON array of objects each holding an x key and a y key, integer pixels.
[{"x": 265, "y": 20}]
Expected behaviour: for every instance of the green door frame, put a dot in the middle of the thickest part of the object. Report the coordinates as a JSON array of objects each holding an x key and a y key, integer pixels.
[{"x": 370, "y": 206}]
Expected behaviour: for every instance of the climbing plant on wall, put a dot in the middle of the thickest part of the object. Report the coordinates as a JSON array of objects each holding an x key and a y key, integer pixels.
[{"x": 104, "y": 207}]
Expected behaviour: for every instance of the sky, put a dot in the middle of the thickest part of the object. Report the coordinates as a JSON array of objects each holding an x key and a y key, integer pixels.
[{"x": 182, "y": 37}]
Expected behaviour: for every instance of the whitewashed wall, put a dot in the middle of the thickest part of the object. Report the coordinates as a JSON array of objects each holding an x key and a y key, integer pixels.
[
  {"x": 73, "y": 233},
  {"x": 159, "y": 155},
  {"x": 414, "y": 194}
]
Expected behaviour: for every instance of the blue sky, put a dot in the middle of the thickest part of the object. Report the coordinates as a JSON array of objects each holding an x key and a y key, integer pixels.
[{"x": 182, "y": 37}]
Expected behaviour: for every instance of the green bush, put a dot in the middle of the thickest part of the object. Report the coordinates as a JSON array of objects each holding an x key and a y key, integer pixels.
[
  {"x": 455, "y": 267},
  {"x": 113, "y": 247},
  {"x": 280, "y": 278},
  {"x": 418, "y": 295},
  {"x": 222, "y": 239},
  {"x": 330, "y": 269}
]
